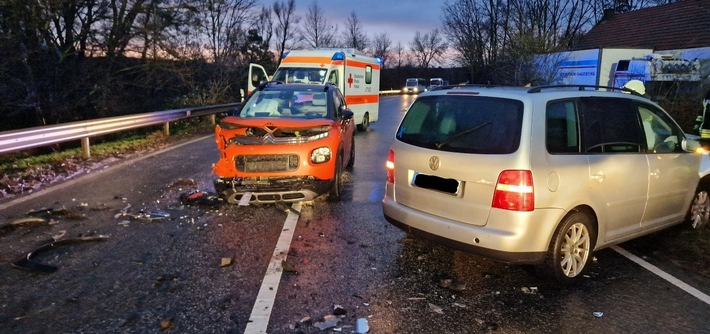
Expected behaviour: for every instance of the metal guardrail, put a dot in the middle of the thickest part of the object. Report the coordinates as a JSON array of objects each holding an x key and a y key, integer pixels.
[{"x": 16, "y": 140}]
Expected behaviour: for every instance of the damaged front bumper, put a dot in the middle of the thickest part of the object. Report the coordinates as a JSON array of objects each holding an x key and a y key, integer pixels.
[{"x": 271, "y": 189}]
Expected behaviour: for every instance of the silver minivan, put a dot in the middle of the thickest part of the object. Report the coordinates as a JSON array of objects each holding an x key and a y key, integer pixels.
[{"x": 543, "y": 175}]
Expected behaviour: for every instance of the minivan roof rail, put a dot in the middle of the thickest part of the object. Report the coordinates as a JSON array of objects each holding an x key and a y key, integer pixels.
[
  {"x": 463, "y": 86},
  {"x": 538, "y": 89}
]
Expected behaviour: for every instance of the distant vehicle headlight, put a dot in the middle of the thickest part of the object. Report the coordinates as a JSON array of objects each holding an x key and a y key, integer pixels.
[{"x": 321, "y": 155}]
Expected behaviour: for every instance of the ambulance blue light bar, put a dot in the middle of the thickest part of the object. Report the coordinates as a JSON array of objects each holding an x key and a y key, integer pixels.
[{"x": 338, "y": 56}]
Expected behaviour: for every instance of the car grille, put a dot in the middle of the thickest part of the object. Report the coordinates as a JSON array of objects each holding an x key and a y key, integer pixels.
[{"x": 266, "y": 163}]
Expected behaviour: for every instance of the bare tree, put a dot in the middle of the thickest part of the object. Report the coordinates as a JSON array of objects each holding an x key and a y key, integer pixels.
[
  {"x": 318, "y": 31},
  {"x": 259, "y": 39},
  {"x": 286, "y": 31},
  {"x": 382, "y": 47},
  {"x": 354, "y": 36},
  {"x": 427, "y": 48},
  {"x": 224, "y": 25},
  {"x": 70, "y": 23},
  {"x": 400, "y": 57},
  {"x": 121, "y": 30}
]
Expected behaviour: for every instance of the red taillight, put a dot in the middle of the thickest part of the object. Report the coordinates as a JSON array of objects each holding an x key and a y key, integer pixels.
[
  {"x": 390, "y": 167},
  {"x": 514, "y": 191}
]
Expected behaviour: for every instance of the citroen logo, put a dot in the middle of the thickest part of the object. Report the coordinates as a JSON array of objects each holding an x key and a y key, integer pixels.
[{"x": 434, "y": 162}]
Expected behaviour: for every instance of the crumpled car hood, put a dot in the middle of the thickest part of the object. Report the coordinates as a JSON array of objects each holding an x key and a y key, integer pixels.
[{"x": 253, "y": 131}]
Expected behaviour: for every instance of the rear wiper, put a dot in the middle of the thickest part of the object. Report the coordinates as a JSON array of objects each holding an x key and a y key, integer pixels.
[{"x": 460, "y": 134}]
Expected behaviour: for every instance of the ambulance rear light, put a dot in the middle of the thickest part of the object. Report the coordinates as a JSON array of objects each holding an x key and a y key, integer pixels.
[{"x": 338, "y": 56}]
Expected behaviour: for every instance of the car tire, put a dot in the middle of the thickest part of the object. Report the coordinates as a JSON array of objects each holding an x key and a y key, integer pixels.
[
  {"x": 365, "y": 123},
  {"x": 351, "y": 162},
  {"x": 335, "y": 191},
  {"x": 699, "y": 211},
  {"x": 571, "y": 248}
]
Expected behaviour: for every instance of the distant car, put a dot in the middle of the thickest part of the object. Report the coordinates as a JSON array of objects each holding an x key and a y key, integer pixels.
[
  {"x": 414, "y": 86},
  {"x": 288, "y": 142},
  {"x": 436, "y": 82},
  {"x": 542, "y": 175}
]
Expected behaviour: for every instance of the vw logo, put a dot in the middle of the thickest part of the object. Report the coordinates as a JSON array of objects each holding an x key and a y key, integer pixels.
[{"x": 434, "y": 163}]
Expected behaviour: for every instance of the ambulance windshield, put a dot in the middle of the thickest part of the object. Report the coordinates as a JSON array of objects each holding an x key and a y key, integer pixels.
[{"x": 300, "y": 75}]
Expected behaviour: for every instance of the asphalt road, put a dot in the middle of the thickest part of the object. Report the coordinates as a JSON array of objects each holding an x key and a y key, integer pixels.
[{"x": 128, "y": 273}]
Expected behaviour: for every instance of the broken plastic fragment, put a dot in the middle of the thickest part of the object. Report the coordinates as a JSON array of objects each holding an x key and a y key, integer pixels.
[
  {"x": 361, "y": 326},
  {"x": 598, "y": 314},
  {"x": 329, "y": 321},
  {"x": 27, "y": 263}
]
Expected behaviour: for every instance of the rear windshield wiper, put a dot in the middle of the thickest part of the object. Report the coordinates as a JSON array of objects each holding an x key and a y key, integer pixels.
[{"x": 460, "y": 134}]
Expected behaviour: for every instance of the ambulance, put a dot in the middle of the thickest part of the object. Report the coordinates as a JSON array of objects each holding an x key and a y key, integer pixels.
[{"x": 356, "y": 74}]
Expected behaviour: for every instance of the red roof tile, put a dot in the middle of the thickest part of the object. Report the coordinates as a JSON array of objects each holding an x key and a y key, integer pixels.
[{"x": 681, "y": 25}]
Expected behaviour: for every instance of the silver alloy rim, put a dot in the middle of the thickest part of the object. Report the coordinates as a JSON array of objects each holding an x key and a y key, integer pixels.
[
  {"x": 700, "y": 211},
  {"x": 575, "y": 250}
]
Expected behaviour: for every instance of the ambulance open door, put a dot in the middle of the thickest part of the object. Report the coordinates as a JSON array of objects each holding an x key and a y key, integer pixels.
[{"x": 257, "y": 76}]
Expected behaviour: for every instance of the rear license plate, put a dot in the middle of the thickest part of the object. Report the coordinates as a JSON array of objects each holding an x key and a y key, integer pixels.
[{"x": 449, "y": 186}]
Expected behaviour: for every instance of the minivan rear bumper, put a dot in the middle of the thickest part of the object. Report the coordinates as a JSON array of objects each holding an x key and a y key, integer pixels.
[{"x": 525, "y": 242}]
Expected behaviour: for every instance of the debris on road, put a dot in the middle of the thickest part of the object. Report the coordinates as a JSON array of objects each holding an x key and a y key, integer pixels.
[
  {"x": 158, "y": 214},
  {"x": 201, "y": 198},
  {"x": 361, "y": 326},
  {"x": 436, "y": 309},
  {"x": 530, "y": 291},
  {"x": 598, "y": 314},
  {"x": 184, "y": 182},
  {"x": 29, "y": 221},
  {"x": 27, "y": 263},
  {"x": 287, "y": 268},
  {"x": 339, "y": 310},
  {"x": 283, "y": 206},
  {"x": 226, "y": 261},
  {"x": 329, "y": 321},
  {"x": 166, "y": 324}
]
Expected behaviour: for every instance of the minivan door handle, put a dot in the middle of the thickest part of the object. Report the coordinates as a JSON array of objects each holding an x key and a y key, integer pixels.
[{"x": 599, "y": 176}]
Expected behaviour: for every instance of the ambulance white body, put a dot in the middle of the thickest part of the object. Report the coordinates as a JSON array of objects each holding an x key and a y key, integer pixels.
[{"x": 356, "y": 74}]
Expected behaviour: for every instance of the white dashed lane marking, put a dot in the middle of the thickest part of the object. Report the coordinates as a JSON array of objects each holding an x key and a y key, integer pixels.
[{"x": 261, "y": 312}]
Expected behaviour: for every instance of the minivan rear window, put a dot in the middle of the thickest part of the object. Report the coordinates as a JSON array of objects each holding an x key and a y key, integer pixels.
[{"x": 467, "y": 124}]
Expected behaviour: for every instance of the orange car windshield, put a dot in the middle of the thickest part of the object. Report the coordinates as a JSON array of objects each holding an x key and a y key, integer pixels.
[{"x": 286, "y": 104}]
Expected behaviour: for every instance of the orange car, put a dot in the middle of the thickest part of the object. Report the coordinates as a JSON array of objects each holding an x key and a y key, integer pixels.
[{"x": 288, "y": 142}]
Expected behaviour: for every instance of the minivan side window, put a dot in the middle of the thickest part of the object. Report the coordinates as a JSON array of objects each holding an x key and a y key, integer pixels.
[
  {"x": 562, "y": 132},
  {"x": 662, "y": 134},
  {"x": 610, "y": 125},
  {"x": 596, "y": 125}
]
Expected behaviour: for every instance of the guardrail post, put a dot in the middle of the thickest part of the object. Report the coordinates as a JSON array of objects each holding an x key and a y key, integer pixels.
[
  {"x": 213, "y": 118},
  {"x": 85, "y": 148},
  {"x": 166, "y": 128}
]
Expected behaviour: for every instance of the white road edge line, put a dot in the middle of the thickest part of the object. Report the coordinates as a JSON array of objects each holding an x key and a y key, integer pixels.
[
  {"x": 92, "y": 174},
  {"x": 664, "y": 275},
  {"x": 261, "y": 312}
]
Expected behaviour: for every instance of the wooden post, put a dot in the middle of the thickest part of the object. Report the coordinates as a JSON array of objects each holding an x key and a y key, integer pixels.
[
  {"x": 85, "y": 148},
  {"x": 166, "y": 128},
  {"x": 213, "y": 118}
]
